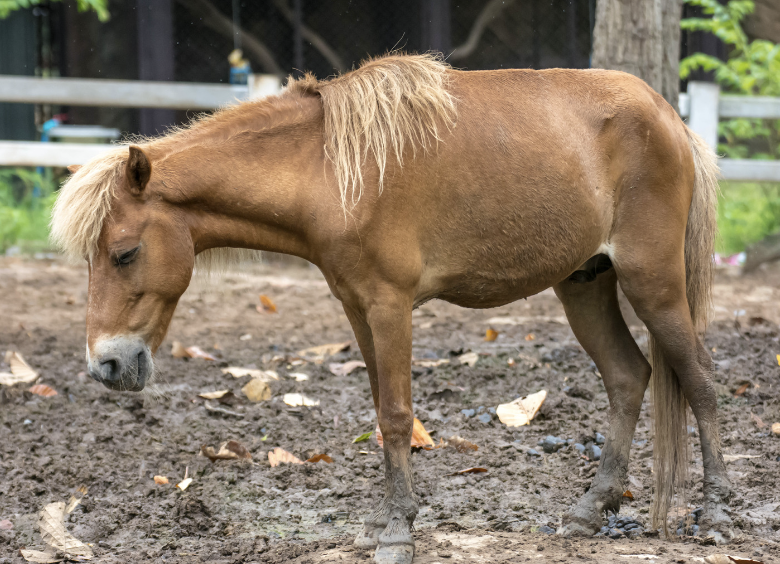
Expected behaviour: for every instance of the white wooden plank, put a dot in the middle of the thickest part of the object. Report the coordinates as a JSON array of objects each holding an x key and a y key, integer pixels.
[
  {"x": 120, "y": 93},
  {"x": 684, "y": 103},
  {"x": 750, "y": 170},
  {"x": 765, "y": 107},
  {"x": 704, "y": 111},
  {"x": 30, "y": 153}
]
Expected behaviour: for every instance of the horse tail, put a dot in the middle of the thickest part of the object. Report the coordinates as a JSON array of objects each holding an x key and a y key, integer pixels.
[{"x": 671, "y": 452}]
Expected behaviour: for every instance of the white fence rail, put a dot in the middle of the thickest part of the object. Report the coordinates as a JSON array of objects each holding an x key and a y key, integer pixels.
[{"x": 702, "y": 104}]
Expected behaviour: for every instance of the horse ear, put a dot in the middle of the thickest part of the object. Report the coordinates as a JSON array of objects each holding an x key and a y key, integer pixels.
[
  {"x": 138, "y": 170},
  {"x": 73, "y": 169}
]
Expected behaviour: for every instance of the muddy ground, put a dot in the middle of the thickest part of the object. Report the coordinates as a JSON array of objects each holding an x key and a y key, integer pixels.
[{"x": 243, "y": 512}]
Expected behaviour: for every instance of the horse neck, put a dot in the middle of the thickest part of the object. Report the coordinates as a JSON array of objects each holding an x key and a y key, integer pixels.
[{"x": 255, "y": 190}]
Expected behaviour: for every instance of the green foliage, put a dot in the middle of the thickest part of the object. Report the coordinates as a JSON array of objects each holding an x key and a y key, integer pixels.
[
  {"x": 100, "y": 7},
  {"x": 747, "y": 212},
  {"x": 752, "y": 68},
  {"x": 24, "y": 217}
]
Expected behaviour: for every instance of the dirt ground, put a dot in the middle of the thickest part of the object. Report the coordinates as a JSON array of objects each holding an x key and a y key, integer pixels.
[{"x": 244, "y": 512}]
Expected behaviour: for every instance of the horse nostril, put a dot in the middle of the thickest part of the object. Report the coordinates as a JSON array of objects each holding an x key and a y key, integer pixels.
[
  {"x": 142, "y": 364},
  {"x": 110, "y": 370}
]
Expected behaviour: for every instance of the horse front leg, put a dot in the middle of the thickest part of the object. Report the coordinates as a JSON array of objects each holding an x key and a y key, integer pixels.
[{"x": 384, "y": 334}]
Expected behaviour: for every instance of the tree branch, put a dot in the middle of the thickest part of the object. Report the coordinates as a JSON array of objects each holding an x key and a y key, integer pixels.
[
  {"x": 311, "y": 36},
  {"x": 219, "y": 22},
  {"x": 490, "y": 11}
]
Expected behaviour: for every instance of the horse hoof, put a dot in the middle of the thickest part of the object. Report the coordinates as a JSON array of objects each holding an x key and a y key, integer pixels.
[
  {"x": 368, "y": 537},
  {"x": 394, "y": 554}
]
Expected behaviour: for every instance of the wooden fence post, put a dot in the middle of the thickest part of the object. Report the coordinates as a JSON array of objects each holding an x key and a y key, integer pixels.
[{"x": 704, "y": 111}]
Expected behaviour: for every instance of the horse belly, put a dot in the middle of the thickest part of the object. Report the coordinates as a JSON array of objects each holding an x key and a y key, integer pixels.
[{"x": 496, "y": 250}]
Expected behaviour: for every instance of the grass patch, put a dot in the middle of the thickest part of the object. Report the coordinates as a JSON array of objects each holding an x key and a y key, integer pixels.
[
  {"x": 747, "y": 212},
  {"x": 26, "y": 199}
]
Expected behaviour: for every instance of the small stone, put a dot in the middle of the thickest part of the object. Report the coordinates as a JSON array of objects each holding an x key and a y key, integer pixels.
[
  {"x": 612, "y": 521},
  {"x": 444, "y": 553},
  {"x": 637, "y": 532},
  {"x": 615, "y": 533},
  {"x": 547, "y": 531},
  {"x": 533, "y": 452},
  {"x": 435, "y": 415},
  {"x": 600, "y": 439},
  {"x": 492, "y": 410},
  {"x": 604, "y": 530},
  {"x": 468, "y": 412},
  {"x": 551, "y": 444},
  {"x": 629, "y": 526},
  {"x": 579, "y": 448},
  {"x": 593, "y": 452},
  {"x": 485, "y": 418}
]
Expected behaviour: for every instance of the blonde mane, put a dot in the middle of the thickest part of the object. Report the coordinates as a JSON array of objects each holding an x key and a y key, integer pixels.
[{"x": 382, "y": 107}]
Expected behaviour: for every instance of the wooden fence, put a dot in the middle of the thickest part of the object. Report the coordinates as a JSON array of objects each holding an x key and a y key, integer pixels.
[{"x": 703, "y": 105}]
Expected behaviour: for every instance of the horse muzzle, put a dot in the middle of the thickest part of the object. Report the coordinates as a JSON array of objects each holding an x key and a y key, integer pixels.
[{"x": 121, "y": 363}]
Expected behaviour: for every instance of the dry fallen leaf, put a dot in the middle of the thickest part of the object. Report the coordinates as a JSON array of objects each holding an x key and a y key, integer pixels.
[
  {"x": 184, "y": 484},
  {"x": 344, "y": 368},
  {"x": 475, "y": 470},
  {"x": 735, "y": 457},
  {"x": 180, "y": 351},
  {"x": 462, "y": 445},
  {"x": 160, "y": 480},
  {"x": 470, "y": 358},
  {"x": 239, "y": 372},
  {"x": 728, "y": 559},
  {"x": 75, "y": 499},
  {"x": 40, "y": 557},
  {"x": 213, "y": 395},
  {"x": 522, "y": 410},
  {"x": 296, "y": 400},
  {"x": 52, "y": 527},
  {"x": 420, "y": 437},
  {"x": 628, "y": 495},
  {"x": 318, "y": 457},
  {"x": 256, "y": 390},
  {"x": 757, "y": 420},
  {"x": 491, "y": 334},
  {"x": 776, "y": 429},
  {"x": 742, "y": 389},
  {"x": 266, "y": 305},
  {"x": 530, "y": 337},
  {"x": 279, "y": 456},
  {"x": 21, "y": 372},
  {"x": 325, "y": 350},
  {"x": 197, "y": 352},
  {"x": 230, "y": 450},
  {"x": 427, "y": 363},
  {"x": 298, "y": 376},
  {"x": 43, "y": 390}
]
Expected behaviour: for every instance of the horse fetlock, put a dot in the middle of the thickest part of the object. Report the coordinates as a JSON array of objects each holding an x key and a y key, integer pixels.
[{"x": 368, "y": 537}]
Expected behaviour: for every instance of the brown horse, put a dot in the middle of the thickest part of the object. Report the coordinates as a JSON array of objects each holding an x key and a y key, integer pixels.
[{"x": 405, "y": 181}]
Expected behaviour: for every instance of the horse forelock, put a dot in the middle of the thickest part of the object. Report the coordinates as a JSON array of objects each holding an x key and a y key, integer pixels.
[
  {"x": 386, "y": 104},
  {"x": 83, "y": 203}
]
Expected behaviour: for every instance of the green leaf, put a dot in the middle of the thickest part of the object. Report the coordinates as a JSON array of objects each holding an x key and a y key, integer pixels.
[{"x": 363, "y": 437}]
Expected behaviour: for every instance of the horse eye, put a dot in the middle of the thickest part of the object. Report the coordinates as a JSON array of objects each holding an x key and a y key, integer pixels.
[{"x": 126, "y": 257}]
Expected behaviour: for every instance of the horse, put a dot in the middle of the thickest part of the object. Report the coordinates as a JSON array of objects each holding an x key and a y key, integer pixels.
[{"x": 405, "y": 180}]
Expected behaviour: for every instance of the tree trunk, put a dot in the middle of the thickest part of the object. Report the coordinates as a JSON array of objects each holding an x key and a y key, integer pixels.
[{"x": 641, "y": 37}]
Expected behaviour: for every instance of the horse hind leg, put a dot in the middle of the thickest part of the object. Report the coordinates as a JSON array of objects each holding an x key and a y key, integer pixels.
[
  {"x": 591, "y": 306},
  {"x": 682, "y": 370}
]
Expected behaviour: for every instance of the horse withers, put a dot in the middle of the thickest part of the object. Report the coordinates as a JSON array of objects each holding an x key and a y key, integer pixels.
[{"x": 405, "y": 181}]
